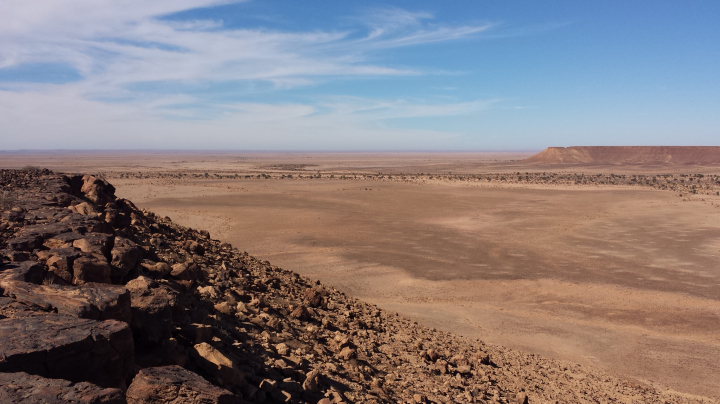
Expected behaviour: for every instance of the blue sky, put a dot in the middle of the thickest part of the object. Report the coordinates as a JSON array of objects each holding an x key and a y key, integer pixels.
[{"x": 335, "y": 75}]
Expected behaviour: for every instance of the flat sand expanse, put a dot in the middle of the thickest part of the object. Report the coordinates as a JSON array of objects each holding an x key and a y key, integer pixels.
[{"x": 627, "y": 279}]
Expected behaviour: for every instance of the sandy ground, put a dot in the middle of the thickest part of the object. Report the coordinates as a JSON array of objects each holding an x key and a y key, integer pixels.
[{"x": 619, "y": 278}]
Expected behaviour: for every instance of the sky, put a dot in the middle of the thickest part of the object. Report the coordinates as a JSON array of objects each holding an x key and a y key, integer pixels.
[{"x": 340, "y": 75}]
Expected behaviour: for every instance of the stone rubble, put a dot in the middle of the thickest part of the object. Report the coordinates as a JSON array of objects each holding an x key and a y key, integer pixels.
[{"x": 105, "y": 303}]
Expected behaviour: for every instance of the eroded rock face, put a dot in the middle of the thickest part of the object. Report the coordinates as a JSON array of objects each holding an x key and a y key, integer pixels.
[
  {"x": 175, "y": 385},
  {"x": 97, "y": 190},
  {"x": 65, "y": 347},
  {"x": 151, "y": 309},
  {"x": 23, "y": 388},
  {"x": 125, "y": 255},
  {"x": 91, "y": 301},
  {"x": 91, "y": 267}
]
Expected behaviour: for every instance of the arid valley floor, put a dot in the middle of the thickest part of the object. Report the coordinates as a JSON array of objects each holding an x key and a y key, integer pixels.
[{"x": 564, "y": 261}]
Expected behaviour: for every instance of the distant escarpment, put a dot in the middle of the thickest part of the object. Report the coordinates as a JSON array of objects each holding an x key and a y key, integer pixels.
[
  {"x": 629, "y": 155},
  {"x": 101, "y": 302}
]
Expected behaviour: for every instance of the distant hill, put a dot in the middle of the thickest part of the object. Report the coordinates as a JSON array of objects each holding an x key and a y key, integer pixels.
[{"x": 629, "y": 155}]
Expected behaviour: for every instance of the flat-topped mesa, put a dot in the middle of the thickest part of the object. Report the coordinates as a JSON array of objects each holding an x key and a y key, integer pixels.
[
  {"x": 629, "y": 155},
  {"x": 101, "y": 302}
]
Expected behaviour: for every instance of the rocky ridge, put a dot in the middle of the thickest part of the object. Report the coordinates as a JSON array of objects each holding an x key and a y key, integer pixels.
[{"x": 104, "y": 303}]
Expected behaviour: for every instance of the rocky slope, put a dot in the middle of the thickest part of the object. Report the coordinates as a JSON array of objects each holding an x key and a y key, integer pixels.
[
  {"x": 104, "y": 303},
  {"x": 629, "y": 155}
]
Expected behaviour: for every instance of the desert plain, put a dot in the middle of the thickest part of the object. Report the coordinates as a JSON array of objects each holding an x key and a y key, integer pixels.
[{"x": 600, "y": 264}]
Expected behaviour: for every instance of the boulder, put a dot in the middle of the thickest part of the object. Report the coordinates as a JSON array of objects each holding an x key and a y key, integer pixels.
[
  {"x": 151, "y": 309},
  {"x": 216, "y": 364},
  {"x": 91, "y": 267},
  {"x": 23, "y": 388},
  {"x": 84, "y": 208},
  {"x": 125, "y": 255},
  {"x": 62, "y": 240},
  {"x": 313, "y": 296},
  {"x": 97, "y": 190},
  {"x": 156, "y": 269},
  {"x": 95, "y": 242},
  {"x": 24, "y": 272},
  {"x": 185, "y": 274},
  {"x": 175, "y": 385},
  {"x": 194, "y": 247},
  {"x": 17, "y": 256},
  {"x": 92, "y": 301},
  {"x": 45, "y": 231},
  {"x": 300, "y": 313},
  {"x": 311, "y": 381},
  {"x": 25, "y": 243},
  {"x": 60, "y": 264},
  {"x": 62, "y": 346},
  {"x": 11, "y": 308}
]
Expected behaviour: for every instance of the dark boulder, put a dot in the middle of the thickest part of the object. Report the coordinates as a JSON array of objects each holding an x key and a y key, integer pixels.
[
  {"x": 23, "y": 388},
  {"x": 61, "y": 346},
  {"x": 175, "y": 385}
]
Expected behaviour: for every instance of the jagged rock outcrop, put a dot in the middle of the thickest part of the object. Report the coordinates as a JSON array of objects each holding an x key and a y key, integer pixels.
[
  {"x": 100, "y": 301},
  {"x": 175, "y": 385},
  {"x": 22, "y": 388},
  {"x": 65, "y": 347}
]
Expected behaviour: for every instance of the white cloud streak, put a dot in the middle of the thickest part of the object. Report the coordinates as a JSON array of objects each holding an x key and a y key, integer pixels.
[{"x": 122, "y": 43}]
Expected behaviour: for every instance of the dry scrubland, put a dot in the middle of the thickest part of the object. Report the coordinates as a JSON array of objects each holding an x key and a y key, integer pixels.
[{"x": 609, "y": 266}]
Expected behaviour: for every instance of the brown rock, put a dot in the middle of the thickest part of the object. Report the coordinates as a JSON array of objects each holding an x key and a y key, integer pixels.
[
  {"x": 184, "y": 271},
  {"x": 97, "y": 190},
  {"x": 464, "y": 369},
  {"x": 24, "y": 272},
  {"x": 301, "y": 313},
  {"x": 17, "y": 256},
  {"x": 94, "y": 242},
  {"x": 25, "y": 243},
  {"x": 84, "y": 208},
  {"x": 173, "y": 384},
  {"x": 216, "y": 364},
  {"x": 282, "y": 349},
  {"x": 151, "y": 309},
  {"x": 61, "y": 346},
  {"x": 313, "y": 296},
  {"x": 521, "y": 398},
  {"x": 156, "y": 269},
  {"x": 225, "y": 308},
  {"x": 185, "y": 274},
  {"x": 11, "y": 308},
  {"x": 62, "y": 240},
  {"x": 23, "y": 388},
  {"x": 91, "y": 301},
  {"x": 194, "y": 247},
  {"x": 347, "y": 353},
  {"x": 60, "y": 264},
  {"x": 125, "y": 255},
  {"x": 91, "y": 268},
  {"x": 311, "y": 381}
]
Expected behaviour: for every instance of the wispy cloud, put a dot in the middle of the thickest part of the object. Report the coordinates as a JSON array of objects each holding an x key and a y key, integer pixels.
[
  {"x": 119, "y": 42},
  {"x": 118, "y": 46}
]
